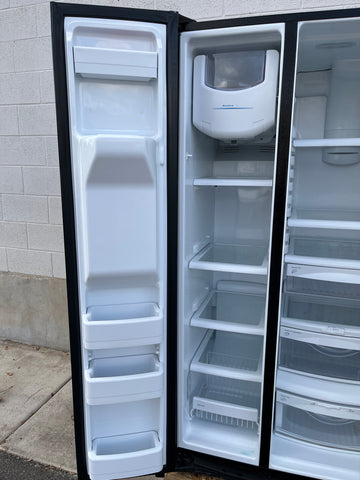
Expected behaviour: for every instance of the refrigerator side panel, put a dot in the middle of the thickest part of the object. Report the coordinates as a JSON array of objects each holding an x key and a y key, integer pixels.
[{"x": 116, "y": 86}]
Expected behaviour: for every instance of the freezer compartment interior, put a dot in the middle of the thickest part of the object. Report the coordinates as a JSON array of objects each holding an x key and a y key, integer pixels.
[
  {"x": 332, "y": 315},
  {"x": 225, "y": 211},
  {"x": 232, "y": 311},
  {"x": 319, "y": 360},
  {"x": 224, "y": 400},
  {"x": 318, "y": 428}
]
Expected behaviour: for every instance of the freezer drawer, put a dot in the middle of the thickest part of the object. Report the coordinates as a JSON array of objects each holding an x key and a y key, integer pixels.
[
  {"x": 317, "y": 422},
  {"x": 319, "y": 360},
  {"x": 317, "y": 313}
]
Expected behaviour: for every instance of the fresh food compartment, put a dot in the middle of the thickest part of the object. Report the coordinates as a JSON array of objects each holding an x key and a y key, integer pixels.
[
  {"x": 224, "y": 401},
  {"x": 231, "y": 355},
  {"x": 123, "y": 378},
  {"x": 319, "y": 360},
  {"x": 316, "y": 422},
  {"x": 112, "y": 326},
  {"x": 231, "y": 312},
  {"x": 316, "y": 313}
]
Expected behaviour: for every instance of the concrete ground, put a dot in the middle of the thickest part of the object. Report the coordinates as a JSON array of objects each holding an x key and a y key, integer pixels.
[{"x": 35, "y": 408}]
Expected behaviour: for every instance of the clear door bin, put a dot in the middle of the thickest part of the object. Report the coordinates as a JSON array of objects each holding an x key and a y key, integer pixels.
[
  {"x": 113, "y": 326},
  {"x": 125, "y": 439},
  {"x": 123, "y": 378},
  {"x": 126, "y": 452},
  {"x": 322, "y": 423}
]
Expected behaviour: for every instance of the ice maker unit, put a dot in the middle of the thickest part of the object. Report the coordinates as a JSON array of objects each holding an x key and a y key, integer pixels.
[{"x": 234, "y": 95}]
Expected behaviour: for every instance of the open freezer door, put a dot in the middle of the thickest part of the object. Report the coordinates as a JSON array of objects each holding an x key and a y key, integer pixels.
[{"x": 110, "y": 74}]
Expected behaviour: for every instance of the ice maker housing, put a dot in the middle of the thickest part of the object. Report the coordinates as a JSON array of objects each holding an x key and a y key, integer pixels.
[{"x": 234, "y": 94}]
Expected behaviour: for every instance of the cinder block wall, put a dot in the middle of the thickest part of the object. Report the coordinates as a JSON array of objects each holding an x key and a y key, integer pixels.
[{"x": 31, "y": 238}]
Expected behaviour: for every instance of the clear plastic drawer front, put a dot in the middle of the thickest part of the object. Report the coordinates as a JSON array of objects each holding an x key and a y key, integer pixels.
[
  {"x": 320, "y": 360},
  {"x": 311, "y": 421}
]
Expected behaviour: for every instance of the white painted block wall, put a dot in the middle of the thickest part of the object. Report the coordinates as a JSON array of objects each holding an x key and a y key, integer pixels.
[{"x": 31, "y": 238}]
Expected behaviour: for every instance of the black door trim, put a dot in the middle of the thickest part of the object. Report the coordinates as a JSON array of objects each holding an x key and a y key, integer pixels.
[{"x": 283, "y": 141}]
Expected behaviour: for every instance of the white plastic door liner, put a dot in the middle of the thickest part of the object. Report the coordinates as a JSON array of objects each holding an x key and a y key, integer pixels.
[{"x": 116, "y": 73}]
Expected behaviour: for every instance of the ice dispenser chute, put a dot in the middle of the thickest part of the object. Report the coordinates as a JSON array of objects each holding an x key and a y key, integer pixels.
[{"x": 234, "y": 94}]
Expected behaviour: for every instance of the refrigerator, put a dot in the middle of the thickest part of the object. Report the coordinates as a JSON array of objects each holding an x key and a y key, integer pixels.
[{"x": 211, "y": 204}]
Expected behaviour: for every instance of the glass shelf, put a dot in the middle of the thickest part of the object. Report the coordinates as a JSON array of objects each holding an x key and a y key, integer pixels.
[
  {"x": 329, "y": 218},
  {"x": 233, "y": 182},
  {"x": 326, "y": 142},
  {"x": 230, "y": 355},
  {"x": 231, "y": 312},
  {"x": 243, "y": 258}
]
